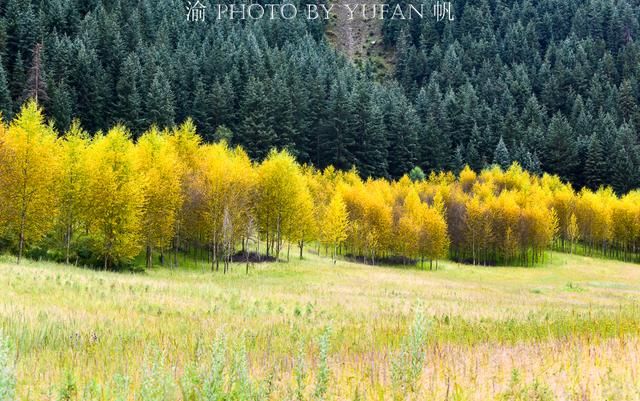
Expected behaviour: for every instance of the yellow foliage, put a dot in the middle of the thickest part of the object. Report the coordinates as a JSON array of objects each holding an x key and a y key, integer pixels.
[
  {"x": 73, "y": 182},
  {"x": 159, "y": 170},
  {"x": 335, "y": 222},
  {"x": 279, "y": 181},
  {"x": 29, "y": 172},
  {"x": 115, "y": 197}
]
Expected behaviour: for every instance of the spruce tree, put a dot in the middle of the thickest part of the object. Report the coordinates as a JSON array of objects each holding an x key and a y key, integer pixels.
[
  {"x": 624, "y": 172},
  {"x": 201, "y": 111},
  {"x": 36, "y": 85},
  {"x": 560, "y": 156},
  {"x": 5, "y": 95},
  {"x": 128, "y": 99},
  {"x": 594, "y": 167},
  {"x": 374, "y": 149},
  {"x": 473, "y": 157},
  {"x": 61, "y": 108},
  {"x": 160, "y": 101},
  {"x": 501, "y": 155},
  {"x": 402, "y": 125},
  {"x": 337, "y": 138},
  {"x": 255, "y": 134}
]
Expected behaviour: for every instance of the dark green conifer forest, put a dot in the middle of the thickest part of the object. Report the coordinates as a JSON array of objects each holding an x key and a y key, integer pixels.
[{"x": 552, "y": 85}]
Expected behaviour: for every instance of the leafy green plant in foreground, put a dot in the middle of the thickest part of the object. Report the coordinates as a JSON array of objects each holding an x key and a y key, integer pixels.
[
  {"x": 521, "y": 391},
  {"x": 7, "y": 371},
  {"x": 322, "y": 377},
  {"x": 406, "y": 367}
]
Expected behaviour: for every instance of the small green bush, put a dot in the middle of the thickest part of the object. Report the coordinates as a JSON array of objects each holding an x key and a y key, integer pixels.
[
  {"x": 7, "y": 371},
  {"x": 520, "y": 391},
  {"x": 407, "y": 365}
]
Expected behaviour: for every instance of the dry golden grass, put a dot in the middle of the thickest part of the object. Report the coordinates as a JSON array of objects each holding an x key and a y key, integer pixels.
[{"x": 567, "y": 331}]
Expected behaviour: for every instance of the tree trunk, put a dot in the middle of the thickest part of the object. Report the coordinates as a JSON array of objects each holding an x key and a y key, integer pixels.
[
  {"x": 301, "y": 245},
  {"x": 23, "y": 219},
  {"x": 149, "y": 257},
  {"x": 68, "y": 244}
]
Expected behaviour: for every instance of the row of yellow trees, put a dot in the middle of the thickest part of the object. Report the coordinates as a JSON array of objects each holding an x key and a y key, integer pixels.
[{"x": 105, "y": 199}]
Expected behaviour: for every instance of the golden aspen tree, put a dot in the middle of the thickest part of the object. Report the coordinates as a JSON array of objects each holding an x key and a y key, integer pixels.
[
  {"x": 563, "y": 202},
  {"x": 456, "y": 217},
  {"x": 278, "y": 183},
  {"x": 115, "y": 198},
  {"x": 467, "y": 179},
  {"x": 29, "y": 177},
  {"x": 186, "y": 142},
  {"x": 410, "y": 225},
  {"x": 159, "y": 170},
  {"x": 378, "y": 220},
  {"x": 303, "y": 223},
  {"x": 434, "y": 240},
  {"x": 73, "y": 183},
  {"x": 353, "y": 195},
  {"x": 223, "y": 183},
  {"x": 476, "y": 213},
  {"x": 335, "y": 223},
  {"x": 573, "y": 232},
  {"x": 626, "y": 223},
  {"x": 594, "y": 217},
  {"x": 370, "y": 217}
]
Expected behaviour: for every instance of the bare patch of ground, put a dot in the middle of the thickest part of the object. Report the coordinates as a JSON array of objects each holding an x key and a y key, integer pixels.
[{"x": 356, "y": 35}]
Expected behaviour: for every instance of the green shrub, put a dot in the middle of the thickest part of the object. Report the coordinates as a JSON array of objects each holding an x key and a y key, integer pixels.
[
  {"x": 157, "y": 382},
  {"x": 300, "y": 373},
  {"x": 214, "y": 382},
  {"x": 7, "y": 371},
  {"x": 322, "y": 377},
  {"x": 68, "y": 389},
  {"x": 407, "y": 364},
  {"x": 520, "y": 391}
]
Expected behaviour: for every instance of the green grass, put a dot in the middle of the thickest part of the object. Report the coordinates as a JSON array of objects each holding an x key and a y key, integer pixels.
[{"x": 571, "y": 327}]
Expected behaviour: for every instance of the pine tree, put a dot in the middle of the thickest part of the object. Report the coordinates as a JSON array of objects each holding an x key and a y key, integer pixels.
[
  {"x": 594, "y": 164},
  {"x": 416, "y": 174},
  {"x": 255, "y": 133},
  {"x": 435, "y": 141},
  {"x": 372, "y": 154},
  {"x": 87, "y": 79},
  {"x": 337, "y": 137},
  {"x": 560, "y": 156},
  {"x": 402, "y": 125},
  {"x": 36, "y": 85},
  {"x": 202, "y": 110},
  {"x": 473, "y": 158},
  {"x": 128, "y": 105},
  {"x": 624, "y": 172},
  {"x": 458, "y": 160},
  {"x": 18, "y": 79},
  {"x": 6, "y": 107},
  {"x": 160, "y": 101},
  {"x": 61, "y": 106},
  {"x": 283, "y": 115},
  {"x": 501, "y": 155},
  {"x": 222, "y": 99}
]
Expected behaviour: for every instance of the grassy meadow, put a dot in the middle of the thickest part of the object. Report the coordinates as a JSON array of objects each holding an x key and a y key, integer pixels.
[{"x": 314, "y": 330}]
